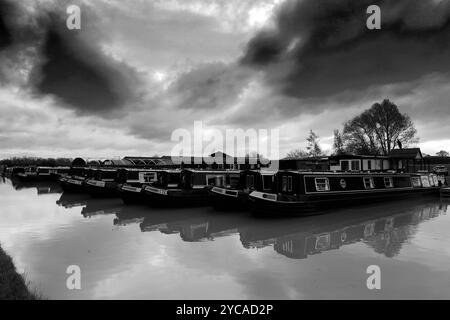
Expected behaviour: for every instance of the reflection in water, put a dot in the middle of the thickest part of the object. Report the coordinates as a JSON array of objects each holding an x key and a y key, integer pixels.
[
  {"x": 100, "y": 206},
  {"x": 142, "y": 252},
  {"x": 42, "y": 187},
  {"x": 70, "y": 200},
  {"x": 383, "y": 230}
]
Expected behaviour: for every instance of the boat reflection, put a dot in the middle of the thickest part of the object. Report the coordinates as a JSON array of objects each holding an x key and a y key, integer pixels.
[
  {"x": 384, "y": 228},
  {"x": 71, "y": 200},
  {"x": 42, "y": 187},
  {"x": 99, "y": 206}
]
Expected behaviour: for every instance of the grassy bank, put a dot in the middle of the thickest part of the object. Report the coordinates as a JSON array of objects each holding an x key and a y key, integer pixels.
[{"x": 12, "y": 284}]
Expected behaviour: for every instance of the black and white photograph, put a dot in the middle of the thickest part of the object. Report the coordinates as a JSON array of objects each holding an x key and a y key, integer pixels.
[{"x": 224, "y": 150}]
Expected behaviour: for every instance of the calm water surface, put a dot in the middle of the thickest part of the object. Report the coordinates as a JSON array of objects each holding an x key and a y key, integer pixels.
[{"x": 132, "y": 252}]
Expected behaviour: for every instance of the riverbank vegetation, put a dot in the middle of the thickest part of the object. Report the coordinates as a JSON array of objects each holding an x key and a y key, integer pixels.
[
  {"x": 33, "y": 161},
  {"x": 13, "y": 286}
]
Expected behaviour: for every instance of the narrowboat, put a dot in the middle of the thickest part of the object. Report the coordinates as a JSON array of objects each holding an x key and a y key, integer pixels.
[
  {"x": 57, "y": 172},
  {"x": 35, "y": 174},
  {"x": 234, "y": 194},
  {"x": 74, "y": 180},
  {"x": 13, "y": 171},
  {"x": 102, "y": 184},
  {"x": 131, "y": 181},
  {"x": 182, "y": 187},
  {"x": 300, "y": 192},
  {"x": 445, "y": 191}
]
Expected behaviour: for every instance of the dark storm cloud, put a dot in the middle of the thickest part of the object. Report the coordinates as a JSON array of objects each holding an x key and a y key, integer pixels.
[
  {"x": 5, "y": 32},
  {"x": 82, "y": 76},
  {"x": 210, "y": 85},
  {"x": 320, "y": 48},
  {"x": 71, "y": 64}
]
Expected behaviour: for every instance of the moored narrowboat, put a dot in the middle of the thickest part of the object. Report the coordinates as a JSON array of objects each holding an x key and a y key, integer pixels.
[
  {"x": 57, "y": 172},
  {"x": 234, "y": 194},
  {"x": 12, "y": 172},
  {"x": 182, "y": 187},
  {"x": 102, "y": 184},
  {"x": 73, "y": 182},
  {"x": 445, "y": 192},
  {"x": 307, "y": 192},
  {"x": 35, "y": 174},
  {"x": 131, "y": 181}
]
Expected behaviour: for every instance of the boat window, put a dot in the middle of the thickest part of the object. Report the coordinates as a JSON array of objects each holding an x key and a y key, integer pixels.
[
  {"x": 368, "y": 183},
  {"x": 356, "y": 165},
  {"x": 415, "y": 181},
  {"x": 436, "y": 180},
  {"x": 267, "y": 182},
  {"x": 350, "y": 165},
  {"x": 322, "y": 184},
  {"x": 234, "y": 181},
  {"x": 147, "y": 177},
  {"x": 388, "y": 183},
  {"x": 250, "y": 181},
  {"x": 431, "y": 181},
  {"x": 173, "y": 179},
  {"x": 425, "y": 181},
  {"x": 284, "y": 184},
  {"x": 214, "y": 180},
  {"x": 219, "y": 181},
  {"x": 289, "y": 183},
  {"x": 344, "y": 165}
]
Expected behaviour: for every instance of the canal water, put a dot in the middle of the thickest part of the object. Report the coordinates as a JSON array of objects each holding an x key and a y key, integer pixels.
[{"x": 133, "y": 252}]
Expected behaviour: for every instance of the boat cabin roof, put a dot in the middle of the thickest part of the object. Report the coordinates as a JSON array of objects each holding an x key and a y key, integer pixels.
[
  {"x": 329, "y": 173},
  {"x": 212, "y": 171}
]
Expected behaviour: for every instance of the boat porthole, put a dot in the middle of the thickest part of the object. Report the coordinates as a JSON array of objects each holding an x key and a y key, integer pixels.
[{"x": 343, "y": 183}]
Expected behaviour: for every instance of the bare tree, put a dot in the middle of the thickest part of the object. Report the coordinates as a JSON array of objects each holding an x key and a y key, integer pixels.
[
  {"x": 297, "y": 154},
  {"x": 313, "y": 147},
  {"x": 378, "y": 129},
  {"x": 442, "y": 153},
  {"x": 338, "y": 143}
]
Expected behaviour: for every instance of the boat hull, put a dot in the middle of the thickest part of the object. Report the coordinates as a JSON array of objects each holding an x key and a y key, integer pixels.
[
  {"x": 101, "y": 189},
  {"x": 316, "y": 204},
  {"x": 175, "y": 197},
  {"x": 131, "y": 195},
  {"x": 225, "y": 200},
  {"x": 72, "y": 185},
  {"x": 33, "y": 177},
  {"x": 445, "y": 192}
]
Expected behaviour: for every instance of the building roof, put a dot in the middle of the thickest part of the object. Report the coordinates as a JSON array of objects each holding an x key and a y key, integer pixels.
[
  {"x": 409, "y": 153},
  {"x": 305, "y": 159},
  {"x": 356, "y": 156}
]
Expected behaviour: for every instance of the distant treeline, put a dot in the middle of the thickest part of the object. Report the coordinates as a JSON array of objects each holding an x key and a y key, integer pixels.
[
  {"x": 33, "y": 161},
  {"x": 437, "y": 160}
]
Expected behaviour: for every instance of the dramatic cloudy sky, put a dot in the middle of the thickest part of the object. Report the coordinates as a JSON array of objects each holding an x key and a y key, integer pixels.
[{"x": 139, "y": 69}]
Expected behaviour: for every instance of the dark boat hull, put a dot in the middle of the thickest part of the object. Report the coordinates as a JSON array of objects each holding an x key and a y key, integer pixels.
[
  {"x": 225, "y": 200},
  {"x": 33, "y": 177},
  {"x": 316, "y": 204},
  {"x": 175, "y": 197},
  {"x": 131, "y": 195},
  {"x": 72, "y": 185},
  {"x": 101, "y": 189}
]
